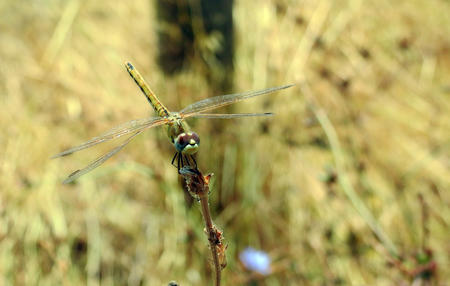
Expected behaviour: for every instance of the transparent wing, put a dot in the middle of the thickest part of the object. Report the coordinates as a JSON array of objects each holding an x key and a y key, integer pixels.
[
  {"x": 116, "y": 132},
  {"x": 78, "y": 173},
  {"x": 223, "y": 100},
  {"x": 229, "y": 116}
]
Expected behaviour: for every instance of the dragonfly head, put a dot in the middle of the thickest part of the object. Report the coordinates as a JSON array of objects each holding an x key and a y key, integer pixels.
[{"x": 187, "y": 143}]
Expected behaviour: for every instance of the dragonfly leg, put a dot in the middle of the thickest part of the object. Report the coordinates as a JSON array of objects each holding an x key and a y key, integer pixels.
[
  {"x": 195, "y": 162},
  {"x": 190, "y": 160},
  {"x": 174, "y": 157},
  {"x": 179, "y": 161},
  {"x": 183, "y": 160},
  {"x": 186, "y": 158}
]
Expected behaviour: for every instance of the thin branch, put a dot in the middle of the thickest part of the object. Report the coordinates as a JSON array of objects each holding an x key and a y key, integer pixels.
[{"x": 198, "y": 187}]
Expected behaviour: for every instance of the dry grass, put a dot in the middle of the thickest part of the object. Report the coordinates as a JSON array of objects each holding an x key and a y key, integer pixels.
[{"x": 377, "y": 70}]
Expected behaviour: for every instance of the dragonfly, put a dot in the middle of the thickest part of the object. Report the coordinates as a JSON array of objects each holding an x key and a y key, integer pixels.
[{"x": 185, "y": 141}]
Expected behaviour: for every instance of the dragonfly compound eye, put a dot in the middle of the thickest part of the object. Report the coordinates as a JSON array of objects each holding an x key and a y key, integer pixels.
[{"x": 187, "y": 143}]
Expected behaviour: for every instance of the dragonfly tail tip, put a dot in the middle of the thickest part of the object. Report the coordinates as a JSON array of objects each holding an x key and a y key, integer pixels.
[{"x": 128, "y": 65}]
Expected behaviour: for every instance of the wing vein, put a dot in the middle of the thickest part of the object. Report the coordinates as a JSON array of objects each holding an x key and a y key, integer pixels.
[
  {"x": 100, "y": 160},
  {"x": 224, "y": 100},
  {"x": 230, "y": 115},
  {"x": 116, "y": 132}
]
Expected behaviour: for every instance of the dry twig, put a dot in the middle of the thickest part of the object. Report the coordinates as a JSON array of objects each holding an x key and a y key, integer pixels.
[{"x": 198, "y": 187}]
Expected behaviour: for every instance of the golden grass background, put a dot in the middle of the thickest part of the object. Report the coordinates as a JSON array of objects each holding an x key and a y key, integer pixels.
[{"x": 377, "y": 70}]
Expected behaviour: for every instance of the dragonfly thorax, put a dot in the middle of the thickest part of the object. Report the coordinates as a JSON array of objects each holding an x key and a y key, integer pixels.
[{"x": 187, "y": 143}]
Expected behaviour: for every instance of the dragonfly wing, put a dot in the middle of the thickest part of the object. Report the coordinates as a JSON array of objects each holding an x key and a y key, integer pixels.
[
  {"x": 116, "y": 132},
  {"x": 229, "y": 116},
  {"x": 78, "y": 173},
  {"x": 223, "y": 100}
]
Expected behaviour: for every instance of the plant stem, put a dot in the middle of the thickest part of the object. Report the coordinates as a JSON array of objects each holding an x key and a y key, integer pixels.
[
  {"x": 211, "y": 235},
  {"x": 198, "y": 187}
]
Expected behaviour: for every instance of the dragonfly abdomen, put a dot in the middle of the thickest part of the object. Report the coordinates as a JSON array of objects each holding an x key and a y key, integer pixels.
[{"x": 159, "y": 108}]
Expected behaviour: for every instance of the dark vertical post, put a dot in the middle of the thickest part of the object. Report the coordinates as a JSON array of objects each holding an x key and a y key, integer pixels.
[
  {"x": 183, "y": 25},
  {"x": 218, "y": 18}
]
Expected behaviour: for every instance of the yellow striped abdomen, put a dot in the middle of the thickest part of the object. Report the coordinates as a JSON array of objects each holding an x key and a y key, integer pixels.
[{"x": 159, "y": 108}]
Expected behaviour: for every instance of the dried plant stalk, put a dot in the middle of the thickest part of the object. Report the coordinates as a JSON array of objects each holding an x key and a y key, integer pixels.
[{"x": 198, "y": 186}]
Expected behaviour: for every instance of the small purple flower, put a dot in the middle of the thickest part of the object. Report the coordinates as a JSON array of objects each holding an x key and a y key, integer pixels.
[{"x": 255, "y": 260}]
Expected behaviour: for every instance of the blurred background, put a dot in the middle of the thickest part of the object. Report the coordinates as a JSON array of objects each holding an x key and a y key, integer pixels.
[{"x": 347, "y": 185}]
